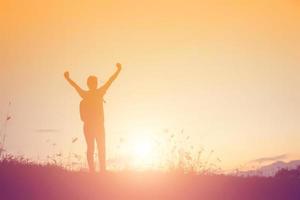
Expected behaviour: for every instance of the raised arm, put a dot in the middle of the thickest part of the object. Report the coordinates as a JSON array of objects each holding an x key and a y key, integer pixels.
[
  {"x": 112, "y": 78},
  {"x": 73, "y": 84}
]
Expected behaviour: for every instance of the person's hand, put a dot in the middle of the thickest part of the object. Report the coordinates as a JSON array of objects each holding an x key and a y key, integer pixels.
[
  {"x": 119, "y": 66},
  {"x": 67, "y": 75}
]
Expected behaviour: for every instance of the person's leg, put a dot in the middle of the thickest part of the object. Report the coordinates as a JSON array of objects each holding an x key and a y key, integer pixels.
[
  {"x": 89, "y": 138},
  {"x": 100, "y": 138}
]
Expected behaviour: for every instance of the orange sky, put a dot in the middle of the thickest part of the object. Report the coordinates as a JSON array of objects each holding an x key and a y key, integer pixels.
[{"x": 225, "y": 71}]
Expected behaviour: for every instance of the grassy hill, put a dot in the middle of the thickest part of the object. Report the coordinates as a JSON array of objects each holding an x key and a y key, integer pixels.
[{"x": 20, "y": 179}]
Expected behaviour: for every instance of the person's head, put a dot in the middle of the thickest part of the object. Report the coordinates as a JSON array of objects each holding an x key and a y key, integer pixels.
[{"x": 92, "y": 82}]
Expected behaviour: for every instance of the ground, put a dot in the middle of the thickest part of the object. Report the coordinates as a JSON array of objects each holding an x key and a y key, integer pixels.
[{"x": 22, "y": 180}]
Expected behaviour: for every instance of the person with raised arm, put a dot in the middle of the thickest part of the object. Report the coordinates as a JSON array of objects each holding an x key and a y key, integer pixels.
[{"x": 92, "y": 115}]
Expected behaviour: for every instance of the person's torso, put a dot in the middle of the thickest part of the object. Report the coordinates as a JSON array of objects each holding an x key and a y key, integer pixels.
[{"x": 91, "y": 106}]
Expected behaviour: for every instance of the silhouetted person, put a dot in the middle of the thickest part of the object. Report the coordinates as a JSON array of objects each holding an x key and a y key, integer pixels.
[{"x": 92, "y": 115}]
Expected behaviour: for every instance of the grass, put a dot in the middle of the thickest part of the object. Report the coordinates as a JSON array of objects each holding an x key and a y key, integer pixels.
[{"x": 23, "y": 179}]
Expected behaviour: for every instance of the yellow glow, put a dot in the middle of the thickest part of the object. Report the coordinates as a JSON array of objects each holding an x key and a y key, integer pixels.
[
  {"x": 142, "y": 151},
  {"x": 225, "y": 71},
  {"x": 143, "y": 147}
]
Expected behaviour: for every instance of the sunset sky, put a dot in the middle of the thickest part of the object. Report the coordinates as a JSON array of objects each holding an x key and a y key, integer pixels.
[{"x": 227, "y": 72}]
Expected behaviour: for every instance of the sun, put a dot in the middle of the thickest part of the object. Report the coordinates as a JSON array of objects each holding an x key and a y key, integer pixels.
[
  {"x": 143, "y": 151},
  {"x": 142, "y": 148}
]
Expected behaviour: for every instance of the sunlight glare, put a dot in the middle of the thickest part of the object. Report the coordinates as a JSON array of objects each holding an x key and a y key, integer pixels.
[{"x": 142, "y": 150}]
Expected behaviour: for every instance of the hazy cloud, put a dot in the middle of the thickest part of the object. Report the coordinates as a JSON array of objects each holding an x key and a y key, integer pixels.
[{"x": 270, "y": 159}]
